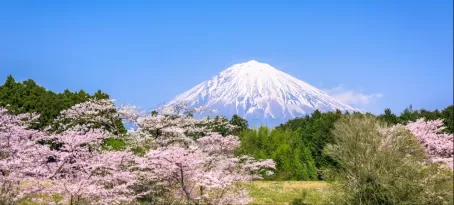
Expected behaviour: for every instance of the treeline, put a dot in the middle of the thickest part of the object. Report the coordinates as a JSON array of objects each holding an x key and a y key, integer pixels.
[
  {"x": 298, "y": 145},
  {"x": 28, "y": 97},
  {"x": 410, "y": 115}
]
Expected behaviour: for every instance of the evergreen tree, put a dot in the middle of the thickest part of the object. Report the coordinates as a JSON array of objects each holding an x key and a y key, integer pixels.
[
  {"x": 315, "y": 132},
  {"x": 448, "y": 118},
  {"x": 389, "y": 117},
  {"x": 240, "y": 122},
  {"x": 409, "y": 114},
  {"x": 292, "y": 156}
]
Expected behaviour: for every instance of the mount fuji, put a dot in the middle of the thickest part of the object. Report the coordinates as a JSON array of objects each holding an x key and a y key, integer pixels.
[{"x": 259, "y": 93}]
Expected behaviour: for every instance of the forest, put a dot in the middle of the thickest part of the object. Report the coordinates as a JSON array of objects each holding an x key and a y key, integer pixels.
[{"x": 74, "y": 148}]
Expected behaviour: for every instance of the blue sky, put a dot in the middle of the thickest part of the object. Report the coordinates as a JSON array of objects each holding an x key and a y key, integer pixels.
[{"x": 374, "y": 54}]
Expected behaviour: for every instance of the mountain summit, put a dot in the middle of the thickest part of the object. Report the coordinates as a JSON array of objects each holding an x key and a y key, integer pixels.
[{"x": 259, "y": 93}]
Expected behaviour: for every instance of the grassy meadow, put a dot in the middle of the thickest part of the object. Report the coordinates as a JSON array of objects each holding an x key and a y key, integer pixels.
[
  {"x": 270, "y": 192},
  {"x": 286, "y": 192}
]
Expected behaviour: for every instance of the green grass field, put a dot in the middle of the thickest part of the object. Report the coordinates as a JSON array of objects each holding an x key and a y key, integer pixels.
[{"x": 284, "y": 192}]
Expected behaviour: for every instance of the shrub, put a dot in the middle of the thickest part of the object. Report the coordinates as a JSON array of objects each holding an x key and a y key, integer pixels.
[{"x": 382, "y": 165}]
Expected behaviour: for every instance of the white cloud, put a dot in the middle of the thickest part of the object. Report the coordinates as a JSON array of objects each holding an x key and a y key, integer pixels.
[{"x": 352, "y": 97}]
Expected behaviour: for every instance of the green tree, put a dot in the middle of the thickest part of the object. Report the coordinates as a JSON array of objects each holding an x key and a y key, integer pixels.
[
  {"x": 389, "y": 117},
  {"x": 315, "y": 132},
  {"x": 409, "y": 114},
  {"x": 448, "y": 118},
  {"x": 27, "y": 96},
  {"x": 292, "y": 156},
  {"x": 240, "y": 122}
]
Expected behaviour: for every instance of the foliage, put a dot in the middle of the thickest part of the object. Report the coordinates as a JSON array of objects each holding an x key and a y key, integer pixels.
[
  {"x": 292, "y": 156},
  {"x": 29, "y": 97},
  {"x": 448, "y": 118},
  {"x": 315, "y": 131},
  {"x": 116, "y": 144},
  {"x": 241, "y": 124},
  {"x": 382, "y": 165},
  {"x": 411, "y": 115}
]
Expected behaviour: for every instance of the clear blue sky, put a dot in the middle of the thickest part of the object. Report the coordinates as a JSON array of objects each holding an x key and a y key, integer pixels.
[{"x": 147, "y": 52}]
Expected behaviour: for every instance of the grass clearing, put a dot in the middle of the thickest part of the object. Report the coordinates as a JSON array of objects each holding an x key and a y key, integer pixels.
[
  {"x": 270, "y": 193},
  {"x": 285, "y": 192}
]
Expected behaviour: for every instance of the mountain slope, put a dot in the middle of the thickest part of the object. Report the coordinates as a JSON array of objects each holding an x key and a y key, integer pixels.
[{"x": 260, "y": 93}]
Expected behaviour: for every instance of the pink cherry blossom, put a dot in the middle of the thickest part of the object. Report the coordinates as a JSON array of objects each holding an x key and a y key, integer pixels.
[
  {"x": 89, "y": 115},
  {"x": 185, "y": 161},
  {"x": 205, "y": 172},
  {"x": 430, "y": 134},
  {"x": 77, "y": 171}
]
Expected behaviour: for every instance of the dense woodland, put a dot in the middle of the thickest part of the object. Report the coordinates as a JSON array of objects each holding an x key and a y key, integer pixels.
[{"x": 302, "y": 148}]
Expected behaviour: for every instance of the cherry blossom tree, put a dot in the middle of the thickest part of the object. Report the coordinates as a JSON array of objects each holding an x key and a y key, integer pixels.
[
  {"x": 438, "y": 145},
  {"x": 184, "y": 160},
  {"x": 174, "y": 124},
  {"x": 204, "y": 173},
  {"x": 78, "y": 171},
  {"x": 92, "y": 114},
  {"x": 192, "y": 164},
  {"x": 14, "y": 142}
]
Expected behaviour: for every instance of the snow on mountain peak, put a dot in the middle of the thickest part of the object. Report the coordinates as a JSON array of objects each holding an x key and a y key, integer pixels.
[
  {"x": 259, "y": 93},
  {"x": 251, "y": 66}
]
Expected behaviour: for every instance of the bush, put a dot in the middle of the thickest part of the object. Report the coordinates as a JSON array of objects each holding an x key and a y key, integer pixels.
[{"x": 382, "y": 165}]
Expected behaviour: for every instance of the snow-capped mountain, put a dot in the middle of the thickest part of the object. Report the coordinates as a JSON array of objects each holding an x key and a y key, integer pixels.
[{"x": 259, "y": 93}]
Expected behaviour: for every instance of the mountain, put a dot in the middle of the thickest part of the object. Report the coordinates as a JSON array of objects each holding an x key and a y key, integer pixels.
[{"x": 259, "y": 93}]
